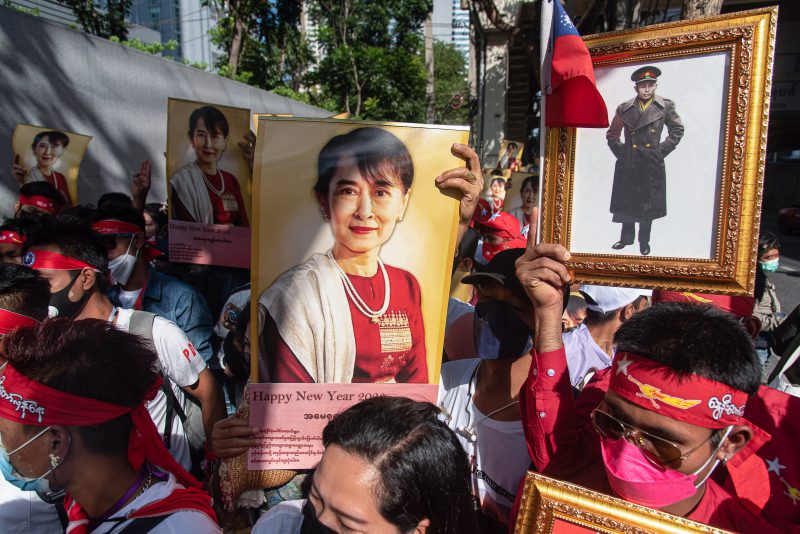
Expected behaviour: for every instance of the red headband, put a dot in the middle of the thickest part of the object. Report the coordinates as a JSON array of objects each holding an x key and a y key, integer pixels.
[
  {"x": 10, "y": 321},
  {"x": 46, "y": 259},
  {"x": 10, "y": 237},
  {"x": 695, "y": 399},
  {"x": 38, "y": 201},
  {"x": 738, "y": 306},
  {"x": 28, "y": 402},
  {"x": 114, "y": 227}
]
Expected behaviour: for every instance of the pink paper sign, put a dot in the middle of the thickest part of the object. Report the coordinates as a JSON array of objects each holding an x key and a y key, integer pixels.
[
  {"x": 209, "y": 244},
  {"x": 291, "y": 417}
]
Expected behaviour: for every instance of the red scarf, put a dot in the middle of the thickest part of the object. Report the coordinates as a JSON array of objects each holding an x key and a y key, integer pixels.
[
  {"x": 10, "y": 237},
  {"x": 10, "y": 321},
  {"x": 28, "y": 402},
  {"x": 115, "y": 227},
  {"x": 38, "y": 201}
]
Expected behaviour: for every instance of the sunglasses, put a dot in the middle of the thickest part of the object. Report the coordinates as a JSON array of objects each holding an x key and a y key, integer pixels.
[{"x": 659, "y": 451}]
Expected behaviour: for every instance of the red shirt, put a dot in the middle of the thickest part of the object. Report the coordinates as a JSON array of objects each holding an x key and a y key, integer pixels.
[
  {"x": 228, "y": 207},
  {"x": 59, "y": 181},
  {"x": 391, "y": 350},
  {"x": 564, "y": 445}
]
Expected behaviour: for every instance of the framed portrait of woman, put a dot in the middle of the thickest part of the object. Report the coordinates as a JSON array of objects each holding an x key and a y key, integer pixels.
[
  {"x": 209, "y": 184},
  {"x": 352, "y": 250},
  {"x": 50, "y": 155}
]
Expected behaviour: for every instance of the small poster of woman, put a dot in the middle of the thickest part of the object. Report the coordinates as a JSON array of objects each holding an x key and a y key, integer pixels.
[
  {"x": 43, "y": 154},
  {"x": 209, "y": 182},
  {"x": 352, "y": 250},
  {"x": 510, "y": 156}
]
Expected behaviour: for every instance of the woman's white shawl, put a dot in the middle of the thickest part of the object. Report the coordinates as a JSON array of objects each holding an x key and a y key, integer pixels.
[
  {"x": 310, "y": 308},
  {"x": 188, "y": 183}
]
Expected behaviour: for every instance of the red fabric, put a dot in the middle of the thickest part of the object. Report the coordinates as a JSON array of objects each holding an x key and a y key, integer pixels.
[
  {"x": 38, "y": 201},
  {"x": 482, "y": 212},
  {"x": 372, "y": 365},
  {"x": 693, "y": 399},
  {"x": 115, "y": 227},
  {"x": 10, "y": 237},
  {"x": 59, "y": 181},
  {"x": 10, "y": 321},
  {"x": 47, "y": 259},
  {"x": 221, "y": 216},
  {"x": 502, "y": 224},
  {"x": 738, "y": 306},
  {"x": 573, "y": 100},
  {"x": 564, "y": 445}
]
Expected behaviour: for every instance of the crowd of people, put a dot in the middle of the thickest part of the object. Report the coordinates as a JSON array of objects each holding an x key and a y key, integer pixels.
[{"x": 122, "y": 375}]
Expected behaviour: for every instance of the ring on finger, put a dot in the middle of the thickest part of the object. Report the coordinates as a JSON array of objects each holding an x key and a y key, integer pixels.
[{"x": 471, "y": 178}]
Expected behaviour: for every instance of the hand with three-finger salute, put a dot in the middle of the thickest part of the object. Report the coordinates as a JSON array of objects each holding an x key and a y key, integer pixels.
[{"x": 543, "y": 275}]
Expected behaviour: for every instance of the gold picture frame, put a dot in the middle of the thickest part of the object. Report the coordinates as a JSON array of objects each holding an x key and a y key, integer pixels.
[
  {"x": 744, "y": 43},
  {"x": 549, "y": 506}
]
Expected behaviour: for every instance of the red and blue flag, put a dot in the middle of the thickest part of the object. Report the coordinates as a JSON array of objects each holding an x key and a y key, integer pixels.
[{"x": 569, "y": 89}]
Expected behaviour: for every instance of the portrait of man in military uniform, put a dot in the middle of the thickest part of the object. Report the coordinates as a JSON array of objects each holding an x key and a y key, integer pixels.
[{"x": 639, "y": 191}]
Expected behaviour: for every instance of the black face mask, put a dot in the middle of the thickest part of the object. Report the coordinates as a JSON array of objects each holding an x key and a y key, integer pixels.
[
  {"x": 61, "y": 306},
  {"x": 311, "y": 524},
  {"x": 499, "y": 333}
]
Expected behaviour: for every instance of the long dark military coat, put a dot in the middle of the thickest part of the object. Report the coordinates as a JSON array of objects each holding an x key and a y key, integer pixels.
[{"x": 640, "y": 181}]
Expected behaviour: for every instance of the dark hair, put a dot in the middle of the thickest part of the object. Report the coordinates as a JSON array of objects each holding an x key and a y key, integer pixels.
[
  {"x": 533, "y": 180},
  {"x": 158, "y": 214},
  {"x": 694, "y": 339},
  {"x": 509, "y": 145},
  {"x": 424, "y": 472},
  {"x": 81, "y": 214},
  {"x": 22, "y": 226},
  {"x": 120, "y": 212},
  {"x": 767, "y": 242},
  {"x": 91, "y": 358},
  {"x": 377, "y": 152},
  {"x": 75, "y": 240},
  {"x": 43, "y": 189},
  {"x": 213, "y": 118},
  {"x": 576, "y": 303},
  {"x": 23, "y": 290},
  {"x": 114, "y": 199},
  {"x": 466, "y": 248},
  {"x": 54, "y": 136},
  {"x": 498, "y": 179}
]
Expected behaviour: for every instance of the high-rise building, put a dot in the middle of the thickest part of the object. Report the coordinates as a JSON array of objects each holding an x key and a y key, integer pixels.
[{"x": 451, "y": 24}]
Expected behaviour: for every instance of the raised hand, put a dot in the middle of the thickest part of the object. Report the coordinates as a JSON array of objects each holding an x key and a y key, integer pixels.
[
  {"x": 140, "y": 184},
  {"x": 232, "y": 436}
]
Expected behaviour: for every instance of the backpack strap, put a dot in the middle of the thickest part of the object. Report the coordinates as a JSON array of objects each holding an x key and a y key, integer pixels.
[
  {"x": 142, "y": 325},
  {"x": 143, "y": 525}
]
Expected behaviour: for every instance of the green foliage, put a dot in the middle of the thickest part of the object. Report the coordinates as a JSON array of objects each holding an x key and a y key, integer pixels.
[
  {"x": 150, "y": 48},
  {"x": 107, "y": 22},
  {"x": 372, "y": 64},
  {"x": 451, "y": 103},
  {"x": 27, "y": 10}
]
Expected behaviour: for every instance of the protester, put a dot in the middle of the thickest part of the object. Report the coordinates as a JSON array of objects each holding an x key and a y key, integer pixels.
[
  {"x": 390, "y": 465},
  {"x": 12, "y": 239},
  {"x": 768, "y": 308},
  {"x": 38, "y": 199},
  {"x": 590, "y": 347},
  {"x": 91, "y": 434},
  {"x": 480, "y": 396},
  {"x": 155, "y": 220},
  {"x": 652, "y": 443},
  {"x": 137, "y": 285},
  {"x": 499, "y": 232},
  {"x": 575, "y": 313},
  {"x": 73, "y": 260}
]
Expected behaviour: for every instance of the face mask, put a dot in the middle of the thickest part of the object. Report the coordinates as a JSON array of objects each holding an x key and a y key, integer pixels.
[
  {"x": 312, "y": 525},
  {"x": 479, "y": 257},
  {"x": 498, "y": 332},
  {"x": 122, "y": 266},
  {"x": 62, "y": 306},
  {"x": 635, "y": 479},
  {"x": 13, "y": 477},
  {"x": 769, "y": 266}
]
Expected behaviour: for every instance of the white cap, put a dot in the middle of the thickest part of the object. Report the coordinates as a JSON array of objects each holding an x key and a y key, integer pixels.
[{"x": 612, "y": 298}]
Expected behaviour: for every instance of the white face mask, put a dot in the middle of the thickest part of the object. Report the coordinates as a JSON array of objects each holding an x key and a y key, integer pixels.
[{"x": 122, "y": 266}]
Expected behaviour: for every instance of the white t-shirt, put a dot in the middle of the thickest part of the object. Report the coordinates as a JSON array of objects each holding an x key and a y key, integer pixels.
[
  {"x": 284, "y": 518},
  {"x": 128, "y": 298},
  {"x": 180, "y": 522},
  {"x": 584, "y": 355},
  {"x": 501, "y": 452},
  {"x": 23, "y": 511},
  {"x": 182, "y": 364}
]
